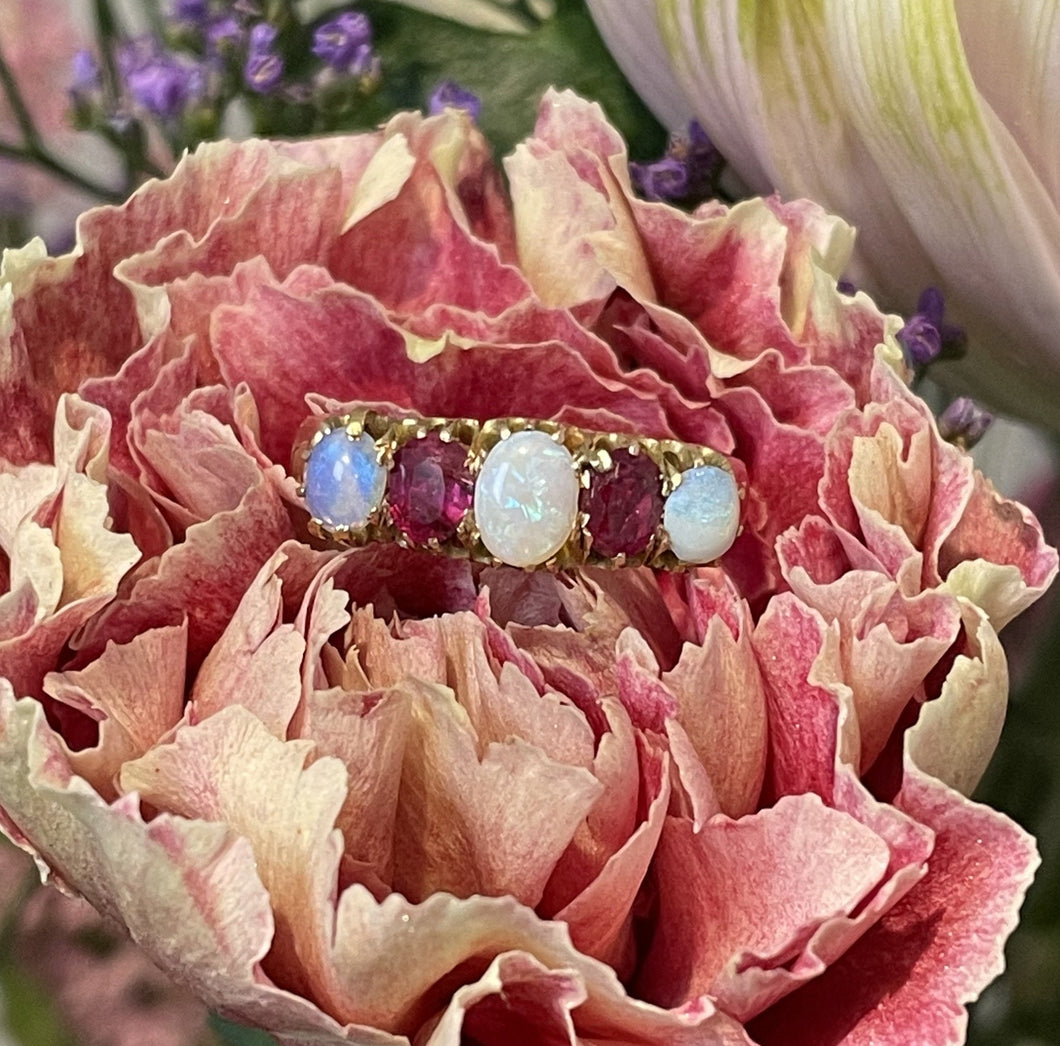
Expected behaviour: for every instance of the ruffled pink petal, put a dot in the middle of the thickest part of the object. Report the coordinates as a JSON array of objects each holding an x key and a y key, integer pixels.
[
  {"x": 188, "y": 891},
  {"x": 957, "y": 731},
  {"x": 798, "y": 655},
  {"x": 367, "y": 733},
  {"x": 204, "y": 577},
  {"x": 889, "y": 643},
  {"x": 600, "y": 916},
  {"x": 65, "y": 563},
  {"x": 993, "y": 536},
  {"x": 740, "y": 894},
  {"x": 909, "y": 979},
  {"x": 517, "y": 1002}
]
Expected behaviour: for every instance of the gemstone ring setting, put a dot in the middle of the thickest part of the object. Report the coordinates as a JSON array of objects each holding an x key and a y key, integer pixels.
[{"x": 515, "y": 491}]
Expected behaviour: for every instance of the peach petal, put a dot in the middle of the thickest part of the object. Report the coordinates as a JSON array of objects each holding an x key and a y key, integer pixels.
[
  {"x": 492, "y": 824},
  {"x": 35, "y": 578},
  {"x": 600, "y": 916},
  {"x": 257, "y": 661},
  {"x": 94, "y": 558},
  {"x": 88, "y": 843},
  {"x": 749, "y": 881},
  {"x": 388, "y": 660},
  {"x": 136, "y": 689},
  {"x": 428, "y": 940},
  {"x": 368, "y": 734},
  {"x": 613, "y": 818},
  {"x": 722, "y": 707},
  {"x": 500, "y": 701},
  {"x": 230, "y": 769},
  {"x": 187, "y": 890}
]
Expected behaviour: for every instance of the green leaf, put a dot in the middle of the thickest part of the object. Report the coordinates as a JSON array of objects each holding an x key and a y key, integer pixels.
[
  {"x": 30, "y": 1014},
  {"x": 509, "y": 73},
  {"x": 233, "y": 1034}
]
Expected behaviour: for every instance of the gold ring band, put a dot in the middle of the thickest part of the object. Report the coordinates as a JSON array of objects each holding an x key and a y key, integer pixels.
[{"x": 515, "y": 491}]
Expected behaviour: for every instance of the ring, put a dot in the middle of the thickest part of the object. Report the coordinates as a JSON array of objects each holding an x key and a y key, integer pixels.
[{"x": 517, "y": 492}]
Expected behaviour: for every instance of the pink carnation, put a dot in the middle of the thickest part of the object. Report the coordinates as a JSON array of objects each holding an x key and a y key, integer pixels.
[{"x": 380, "y": 797}]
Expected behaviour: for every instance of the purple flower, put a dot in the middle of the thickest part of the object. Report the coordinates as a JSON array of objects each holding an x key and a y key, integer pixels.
[
  {"x": 262, "y": 37},
  {"x": 86, "y": 74},
  {"x": 224, "y": 34},
  {"x": 964, "y": 422},
  {"x": 345, "y": 42},
  {"x": 159, "y": 81},
  {"x": 665, "y": 179},
  {"x": 450, "y": 95},
  {"x": 264, "y": 67},
  {"x": 926, "y": 335},
  {"x": 263, "y": 71},
  {"x": 686, "y": 172},
  {"x": 920, "y": 339},
  {"x": 190, "y": 10}
]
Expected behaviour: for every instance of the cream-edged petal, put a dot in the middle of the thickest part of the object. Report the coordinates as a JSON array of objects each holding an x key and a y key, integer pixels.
[{"x": 956, "y": 734}]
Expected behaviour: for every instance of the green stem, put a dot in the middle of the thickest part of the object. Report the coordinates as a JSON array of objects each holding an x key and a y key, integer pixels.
[
  {"x": 26, "y": 125},
  {"x": 37, "y": 154}
]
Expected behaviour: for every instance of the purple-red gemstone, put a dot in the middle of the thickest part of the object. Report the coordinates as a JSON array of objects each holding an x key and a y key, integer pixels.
[
  {"x": 429, "y": 488},
  {"x": 624, "y": 504}
]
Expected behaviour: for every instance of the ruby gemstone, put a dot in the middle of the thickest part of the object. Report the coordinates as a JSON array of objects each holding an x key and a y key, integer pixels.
[
  {"x": 624, "y": 504},
  {"x": 429, "y": 489}
]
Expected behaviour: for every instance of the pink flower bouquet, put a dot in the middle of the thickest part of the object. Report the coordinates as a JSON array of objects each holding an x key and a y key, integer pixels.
[{"x": 377, "y": 796}]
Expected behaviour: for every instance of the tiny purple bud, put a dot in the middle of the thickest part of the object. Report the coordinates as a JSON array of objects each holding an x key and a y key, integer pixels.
[
  {"x": 263, "y": 71},
  {"x": 964, "y": 422},
  {"x": 190, "y": 10},
  {"x": 685, "y": 173},
  {"x": 344, "y": 42},
  {"x": 931, "y": 305},
  {"x": 162, "y": 83},
  {"x": 920, "y": 339},
  {"x": 926, "y": 335},
  {"x": 846, "y": 287},
  {"x": 664, "y": 180},
  {"x": 86, "y": 73},
  {"x": 450, "y": 95},
  {"x": 262, "y": 37},
  {"x": 224, "y": 34}
]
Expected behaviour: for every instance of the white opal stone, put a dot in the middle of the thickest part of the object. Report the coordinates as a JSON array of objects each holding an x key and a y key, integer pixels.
[
  {"x": 344, "y": 482},
  {"x": 526, "y": 498},
  {"x": 703, "y": 514}
]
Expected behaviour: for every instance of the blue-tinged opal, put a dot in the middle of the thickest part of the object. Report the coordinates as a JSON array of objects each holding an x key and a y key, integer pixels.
[
  {"x": 344, "y": 483},
  {"x": 702, "y": 515}
]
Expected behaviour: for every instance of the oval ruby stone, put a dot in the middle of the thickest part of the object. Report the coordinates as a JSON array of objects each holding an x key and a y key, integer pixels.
[
  {"x": 624, "y": 504},
  {"x": 430, "y": 488}
]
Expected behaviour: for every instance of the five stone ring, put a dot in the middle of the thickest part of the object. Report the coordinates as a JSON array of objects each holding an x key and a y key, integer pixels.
[{"x": 516, "y": 491}]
